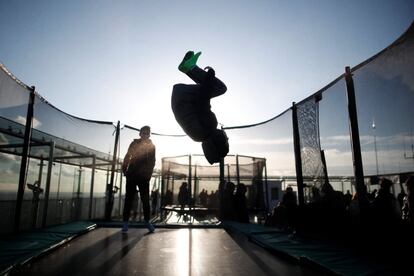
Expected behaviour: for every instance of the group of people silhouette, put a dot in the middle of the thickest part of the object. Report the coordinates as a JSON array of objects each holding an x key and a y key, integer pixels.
[{"x": 332, "y": 212}]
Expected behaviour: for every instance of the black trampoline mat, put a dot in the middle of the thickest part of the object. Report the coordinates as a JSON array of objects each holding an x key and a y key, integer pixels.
[{"x": 184, "y": 251}]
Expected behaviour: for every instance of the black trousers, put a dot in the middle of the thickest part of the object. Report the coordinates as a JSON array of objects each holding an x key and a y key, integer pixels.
[
  {"x": 212, "y": 86},
  {"x": 131, "y": 187}
]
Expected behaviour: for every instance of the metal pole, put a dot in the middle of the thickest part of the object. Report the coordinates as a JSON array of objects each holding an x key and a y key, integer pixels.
[
  {"x": 120, "y": 194},
  {"x": 298, "y": 157},
  {"x": 375, "y": 146},
  {"x": 237, "y": 170},
  {"x": 196, "y": 191},
  {"x": 78, "y": 204},
  {"x": 222, "y": 171},
  {"x": 325, "y": 169},
  {"x": 36, "y": 195},
  {"x": 92, "y": 186},
  {"x": 267, "y": 187},
  {"x": 59, "y": 177},
  {"x": 355, "y": 143},
  {"x": 189, "y": 175},
  {"x": 109, "y": 187},
  {"x": 24, "y": 161},
  {"x": 48, "y": 179},
  {"x": 221, "y": 188},
  {"x": 190, "y": 203}
]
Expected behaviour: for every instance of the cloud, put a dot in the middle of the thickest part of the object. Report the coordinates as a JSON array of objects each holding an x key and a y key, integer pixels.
[
  {"x": 8, "y": 157},
  {"x": 3, "y": 139},
  {"x": 342, "y": 139},
  {"x": 22, "y": 120}
]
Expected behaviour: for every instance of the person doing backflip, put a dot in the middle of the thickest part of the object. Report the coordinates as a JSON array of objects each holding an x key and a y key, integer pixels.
[{"x": 190, "y": 104}]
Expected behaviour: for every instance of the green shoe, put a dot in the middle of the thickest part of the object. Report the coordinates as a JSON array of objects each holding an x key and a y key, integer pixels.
[{"x": 189, "y": 61}]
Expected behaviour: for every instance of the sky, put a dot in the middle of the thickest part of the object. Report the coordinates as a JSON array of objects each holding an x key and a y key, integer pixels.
[{"x": 117, "y": 60}]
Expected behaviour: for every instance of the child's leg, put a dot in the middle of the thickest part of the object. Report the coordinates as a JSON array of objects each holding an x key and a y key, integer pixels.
[{"x": 208, "y": 79}]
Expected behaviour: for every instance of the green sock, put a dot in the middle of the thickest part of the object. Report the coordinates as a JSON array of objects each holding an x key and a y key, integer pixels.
[{"x": 189, "y": 61}]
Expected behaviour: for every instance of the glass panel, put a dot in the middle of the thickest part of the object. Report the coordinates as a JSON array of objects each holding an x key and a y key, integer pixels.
[
  {"x": 334, "y": 136},
  {"x": 272, "y": 141},
  {"x": 14, "y": 99},
  {"x": 384, "y": 90}
]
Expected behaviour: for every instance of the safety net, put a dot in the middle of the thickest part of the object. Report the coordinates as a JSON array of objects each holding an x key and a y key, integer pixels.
[
  {"x": 325, "y": 137},
  {"x": 79, "y": 147},
  {"x": 189, "y": 180},
  {"x": 384, "y": 88},
  {"x": 14, "y": 99},
  {"x": 271, "y": 141},
  {"x": 71, "y": 159}
]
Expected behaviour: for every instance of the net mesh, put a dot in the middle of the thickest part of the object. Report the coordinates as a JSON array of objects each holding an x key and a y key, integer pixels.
[
  {"x": 384, "y": 88},
  {"x": 176, "y": 170},
  {"x": 384, "y": 95},
  {"x": 310, "y": 146}
]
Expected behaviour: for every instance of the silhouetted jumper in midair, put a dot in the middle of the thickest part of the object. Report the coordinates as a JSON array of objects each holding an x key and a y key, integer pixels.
[{"x": 192, "y": 110}]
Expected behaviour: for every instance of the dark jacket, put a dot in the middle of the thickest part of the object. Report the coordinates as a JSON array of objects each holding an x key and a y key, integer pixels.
[
  {"x": 190, "y": 103},
  {"x": 192, "y": 111},
  {"x": 140, "y": 159}
]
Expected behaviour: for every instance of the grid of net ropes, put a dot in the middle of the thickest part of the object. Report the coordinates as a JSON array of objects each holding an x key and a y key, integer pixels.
[
  {"x": 204, "y": 177},
  {"x": 310, "y": 146}
]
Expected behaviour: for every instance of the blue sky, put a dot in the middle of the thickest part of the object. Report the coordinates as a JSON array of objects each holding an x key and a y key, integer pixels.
[{"x": 117, "y": 60}]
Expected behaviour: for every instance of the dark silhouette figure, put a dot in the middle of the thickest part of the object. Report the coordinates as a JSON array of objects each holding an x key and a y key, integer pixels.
[
  {"x": 333, "y": 206},
  {"x": 138, "y": 166},
  {"x": 400, "y": 197},
  {"x": 154, "y": 201},
  {"x": 183, "y": 196},
  {"x": 168, "y": 197},
  {"x": 240, "y": 204},
  {"x": 190, "y": 104},
  {"x": 227, "y": 211},
  {"x": 385, "y": 208},
  {"x": 408, "y": 202},
  {"x": 348, "y": 197},
  {"x": 203, "y": 198},
  {"x": 285, "y": 214},
  {"x": 37, "y": 191}
]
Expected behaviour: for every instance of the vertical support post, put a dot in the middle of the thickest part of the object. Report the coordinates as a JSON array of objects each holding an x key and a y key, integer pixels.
[
  {"x": 110, "y": 186},
  {"x": 196, "y": 191},
  {"x": 92, "y": 185},
  {"x": 190, "y": 203},
  {"x": 355, "y": 143},
  {"x": 121, "y": 178},
  {"x": 189, "y": 178},
  {"x": 266, "y": 187},
  {"x": 221, "y": 171},
  {"x": 237, "y": 170},
  {"x": 59, "y": 203},
  {"x": 298, "y": 157},
  {"x": 59, "y": 177},
  {"x": 36, "y": 193},
  {"x": 23, "y": 163},
  {"x": 228, "y": 172},
  {"x": 221, "y": 188},
  {"x": 325, "y": 169},
  {"x": 48, "y": 179},
  {"x": 78, "y": 192}
]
